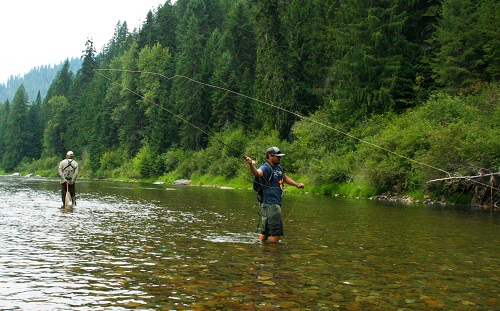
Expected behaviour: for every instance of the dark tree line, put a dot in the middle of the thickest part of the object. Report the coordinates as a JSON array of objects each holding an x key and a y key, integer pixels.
[{"x": 354, "y": 59}]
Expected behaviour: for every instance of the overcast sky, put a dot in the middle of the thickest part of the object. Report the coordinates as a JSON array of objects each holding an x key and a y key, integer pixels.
[{"x": 46, "y": 32}]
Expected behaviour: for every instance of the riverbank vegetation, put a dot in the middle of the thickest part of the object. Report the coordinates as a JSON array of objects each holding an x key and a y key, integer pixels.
[{"x": 363, "y": 99}]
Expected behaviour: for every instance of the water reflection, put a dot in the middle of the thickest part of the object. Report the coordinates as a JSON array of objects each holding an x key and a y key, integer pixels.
[{"x": 135, "y": 246}]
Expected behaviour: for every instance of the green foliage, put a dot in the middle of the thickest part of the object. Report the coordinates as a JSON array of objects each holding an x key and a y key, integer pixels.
[
  {"x": 60, "y": 86},
  {"x": 357, "y": 188},
  {"x": 110, "y": 163},
  {"x": 444, "y": 136},
  {"x": 468, "y": 45},
  {"x": 160, "y": 125},
  {"x": 370, "y": 70},
  {"x": 55, "y": 140},
  {"x": 143, "y": 162},
  {"x": 489, "y": 41},
  {"x": 4, "y": 114},
  {"x": 37, "y": 128},
  {"x": 16, "y": 136},
  {"x": 342, "y": 87},
  {"x": 45, "y": 167}
]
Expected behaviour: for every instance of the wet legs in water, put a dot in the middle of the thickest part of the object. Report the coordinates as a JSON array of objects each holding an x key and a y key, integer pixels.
[
  {"x": 272, "y": 239},
  {"x": 72, "y": 192}
]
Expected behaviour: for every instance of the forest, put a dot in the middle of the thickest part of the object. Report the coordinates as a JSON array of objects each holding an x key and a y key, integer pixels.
[
  {"x": 36, "y": 80},
  {"x": 364, "y": 97}
]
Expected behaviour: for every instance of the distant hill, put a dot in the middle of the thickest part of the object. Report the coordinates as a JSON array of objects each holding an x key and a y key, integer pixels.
[{"x": 37, "y": 79}]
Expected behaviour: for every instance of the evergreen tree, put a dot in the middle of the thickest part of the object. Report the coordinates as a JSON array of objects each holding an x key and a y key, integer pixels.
[
  {"x": 36, "y": 125},
  {"x": 105, "y": 131},
  {"x": 146, "y": 36},
  {"x": 119, "y": 42},
  {"x": 304, "y": 27},
  {"x": 272, "y": 73},
  {"x": 237, "y": 53},
  {"x": 81, "y": 115},
  {"x": 86, "y": 73},
  {"x": 55, "y": 138},
  {"x": 17, "y": 132},
  {"x": 420, "y": 24},
  {"x": 193, "y": 100},
  {"x": 127, "y": 114},
  {"x": 4, "y": 114},
  {"x": 224, "y": 76},
  {"x": 160, "y": 130},
  {"x": 371, "y": 73},
  {"x": 165, "y": 25},
  {"x": 468, "y": 45},
  {"x": 488, "y": 25},
  {"x": 61, "y": 85}
]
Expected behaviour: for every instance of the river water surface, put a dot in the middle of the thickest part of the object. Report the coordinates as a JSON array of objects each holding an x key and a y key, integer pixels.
[{"x": 133, "y": 246}]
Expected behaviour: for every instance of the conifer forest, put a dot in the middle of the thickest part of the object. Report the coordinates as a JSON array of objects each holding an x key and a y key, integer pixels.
[{"x": 364, "y": 97}]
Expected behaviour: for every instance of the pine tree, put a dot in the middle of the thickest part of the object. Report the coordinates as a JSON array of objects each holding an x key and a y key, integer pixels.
[
  {"x": 55, "y": 138},
  {"x": 61, "y": 85},
  {"x": 371, "y": 73},
  {"x": 304, "y": 24},
  {"x": 4, "y": 114},
  {"x": 488, "y": 25},
  {"x": 17, "y": 131},
  {"x": 36, "y": 125},
  {"x": 192, "y": 100},
  {"x": 153, "y": 62},
  {"x": 224, "y": 76},
  {"x": 272, "y": 73},
  {"x": 119, "y": 42},
  {"x": 468, "y": 45},
  {"x": 146, "y": 36},
  {"x": 165, "y": 26},
  {"x": 237, "y": 52},
  {"x": 127, "y": 114}
]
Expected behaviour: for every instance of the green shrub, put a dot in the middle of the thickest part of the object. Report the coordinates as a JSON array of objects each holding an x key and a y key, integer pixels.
[
  {"x": 46, "y": 167},
  {"x": 446, "y": 135}
]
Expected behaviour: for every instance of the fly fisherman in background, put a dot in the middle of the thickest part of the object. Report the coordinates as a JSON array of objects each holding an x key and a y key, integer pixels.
[
  {"x": 272, "y": 178},
  {"x": 68, "y": 170}
]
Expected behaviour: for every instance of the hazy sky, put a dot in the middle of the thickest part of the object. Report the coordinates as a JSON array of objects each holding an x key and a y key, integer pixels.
[{"x": 46, "y": 32}]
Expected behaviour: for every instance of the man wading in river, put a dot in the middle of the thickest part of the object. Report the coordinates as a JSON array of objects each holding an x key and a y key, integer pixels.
[
  {"x": 68, "y": 170},
  {"x": 271, "y": 178}
]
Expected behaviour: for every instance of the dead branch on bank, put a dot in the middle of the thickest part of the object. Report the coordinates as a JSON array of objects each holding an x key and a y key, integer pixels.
[
  {"x": 486, "y": 188},
  {"x": 463, "y": 177}
]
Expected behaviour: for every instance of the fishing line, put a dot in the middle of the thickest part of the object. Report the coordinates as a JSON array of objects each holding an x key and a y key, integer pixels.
[
  {"x": 161, "y": 107},
  {"x": 273, "y": 106},
  {"x": 180, "y": 117},
  {"x": 169, "y": 111}
]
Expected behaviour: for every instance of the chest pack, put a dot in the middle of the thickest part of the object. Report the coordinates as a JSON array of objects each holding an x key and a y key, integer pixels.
[{"x": 260, "y": 182}]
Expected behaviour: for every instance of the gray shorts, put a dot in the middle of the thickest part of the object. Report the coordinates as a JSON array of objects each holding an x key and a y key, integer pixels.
[{"x": 272, "y": 221}]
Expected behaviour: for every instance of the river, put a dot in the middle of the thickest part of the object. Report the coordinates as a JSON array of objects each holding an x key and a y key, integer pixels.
[{"x": 136, "y": 246}]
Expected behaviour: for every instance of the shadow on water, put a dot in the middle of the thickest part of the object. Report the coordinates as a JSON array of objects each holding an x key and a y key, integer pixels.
[{"x": 152, "y": 247}]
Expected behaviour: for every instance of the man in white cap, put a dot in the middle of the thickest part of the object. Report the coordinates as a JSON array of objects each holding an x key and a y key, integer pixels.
[
  {"x": 68, "y": 170},
  {"x": 272, "y": 179}
]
